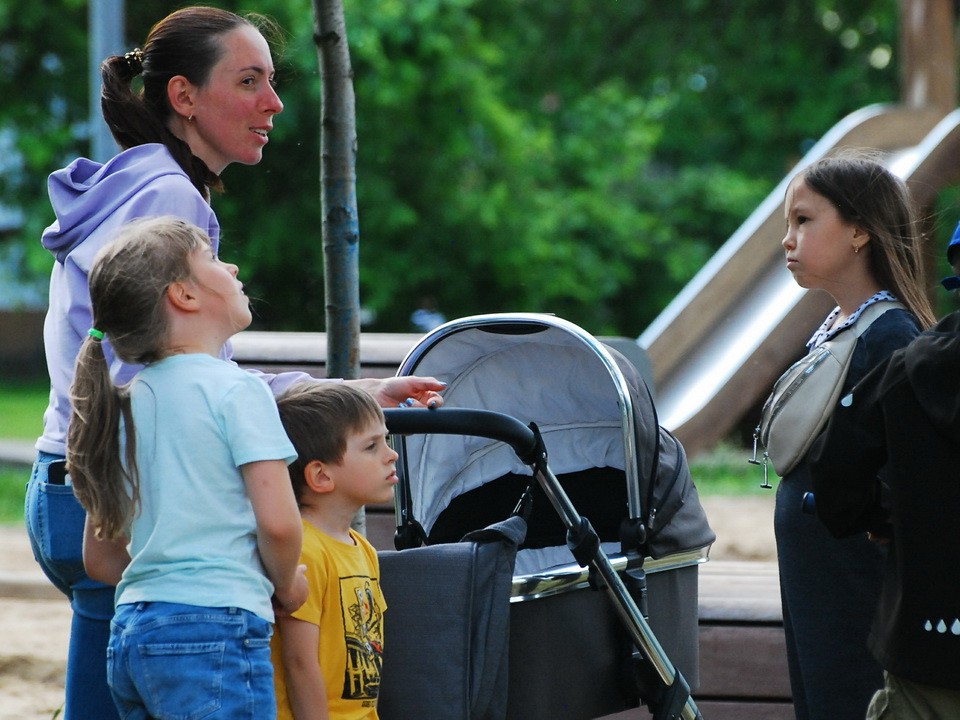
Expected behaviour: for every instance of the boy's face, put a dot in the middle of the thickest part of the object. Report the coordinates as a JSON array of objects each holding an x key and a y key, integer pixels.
[{"x": 367, "y": 472}]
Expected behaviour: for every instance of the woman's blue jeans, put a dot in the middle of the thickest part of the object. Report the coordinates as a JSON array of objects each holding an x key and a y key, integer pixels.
[{"x": 55, "y": 526}]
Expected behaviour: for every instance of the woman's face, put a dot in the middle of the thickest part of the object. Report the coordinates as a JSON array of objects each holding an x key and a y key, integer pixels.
[
  {"x": 233, "y": 111},
  {"x": 819, "y": 245}
]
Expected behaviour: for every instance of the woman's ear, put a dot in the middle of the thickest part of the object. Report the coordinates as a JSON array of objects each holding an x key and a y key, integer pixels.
[
  {"x": 316, "y": 478},
  {"x": 180, "y": 95}
]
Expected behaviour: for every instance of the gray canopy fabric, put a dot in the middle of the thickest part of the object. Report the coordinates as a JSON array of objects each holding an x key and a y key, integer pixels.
[{"x": 590, "y": 405}]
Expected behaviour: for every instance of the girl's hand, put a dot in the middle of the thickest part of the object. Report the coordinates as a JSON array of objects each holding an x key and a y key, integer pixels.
[{"x": 290, "y": 599}]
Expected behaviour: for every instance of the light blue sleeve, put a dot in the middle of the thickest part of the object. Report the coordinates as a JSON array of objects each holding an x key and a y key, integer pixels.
[{"x": 252, "y": 424}]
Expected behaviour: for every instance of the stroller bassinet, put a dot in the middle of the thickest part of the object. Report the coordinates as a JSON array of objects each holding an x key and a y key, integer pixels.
[{"x": 570, "y": 647}]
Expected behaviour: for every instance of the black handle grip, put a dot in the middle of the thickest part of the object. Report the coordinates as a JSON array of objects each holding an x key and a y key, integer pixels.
[{"x": 461, "y": 421}]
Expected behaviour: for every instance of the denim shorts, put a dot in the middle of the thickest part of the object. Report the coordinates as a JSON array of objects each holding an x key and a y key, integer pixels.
[{"x": 183, "y": 662}]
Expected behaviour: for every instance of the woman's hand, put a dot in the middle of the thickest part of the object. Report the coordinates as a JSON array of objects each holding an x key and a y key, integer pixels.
[{"x": 410, "y": 391}]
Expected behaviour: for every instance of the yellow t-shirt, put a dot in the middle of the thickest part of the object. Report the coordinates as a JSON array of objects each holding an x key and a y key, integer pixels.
[{"x": 346, "y": 603}]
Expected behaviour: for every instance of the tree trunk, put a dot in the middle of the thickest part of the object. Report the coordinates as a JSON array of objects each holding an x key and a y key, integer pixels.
[
  {"x": 928, "y": 72},
  {"x": 338, "y": 197},
  {"x": 338, "y": 201}
]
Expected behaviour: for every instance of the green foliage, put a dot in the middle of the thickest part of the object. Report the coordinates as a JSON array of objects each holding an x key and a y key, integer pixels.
[
  {"x": 44, "y": 109},
  {"x": 21, "y": 408},
  {"x": 575, "y": 157},
  {"x": 13, "y": 481},
  {"x": 725, "y": 471}
]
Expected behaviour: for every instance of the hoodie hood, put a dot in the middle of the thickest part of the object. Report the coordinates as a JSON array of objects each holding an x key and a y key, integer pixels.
[
  {"x": 932, "y": 364},
  {"x": 85, "y": 193}
]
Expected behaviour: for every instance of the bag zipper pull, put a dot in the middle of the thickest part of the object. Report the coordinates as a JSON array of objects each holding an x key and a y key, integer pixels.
[
  {"x": 766, "y": 459},
  {"x": 756, "y": 439}
]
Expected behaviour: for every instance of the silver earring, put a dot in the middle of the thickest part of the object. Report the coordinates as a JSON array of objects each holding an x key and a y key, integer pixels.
[{"x": 190, "y": 119}]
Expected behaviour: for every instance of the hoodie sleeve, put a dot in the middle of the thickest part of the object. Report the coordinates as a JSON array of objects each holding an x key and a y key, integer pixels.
[
  {"x": 277, "y": 382},
  {"x": 846, "y": 459}
]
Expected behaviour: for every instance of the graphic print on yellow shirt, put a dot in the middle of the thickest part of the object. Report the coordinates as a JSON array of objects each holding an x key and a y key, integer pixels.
[{"x": 363, "y": 626}]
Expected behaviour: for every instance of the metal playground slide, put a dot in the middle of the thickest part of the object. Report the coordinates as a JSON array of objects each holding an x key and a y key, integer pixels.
[{"x": 717, "y": 348}]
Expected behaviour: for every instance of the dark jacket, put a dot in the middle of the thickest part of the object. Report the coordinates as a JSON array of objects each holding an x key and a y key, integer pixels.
[{"x": 904, "y": 417}]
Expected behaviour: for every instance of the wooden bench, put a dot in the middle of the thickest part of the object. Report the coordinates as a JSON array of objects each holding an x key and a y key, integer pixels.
[
  {"x": 743, "y": 662},
  {"x": 743, "y": 669}
]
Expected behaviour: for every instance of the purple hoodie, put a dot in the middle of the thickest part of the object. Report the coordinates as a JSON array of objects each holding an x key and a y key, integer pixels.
[{"x": 91, "y": 202}]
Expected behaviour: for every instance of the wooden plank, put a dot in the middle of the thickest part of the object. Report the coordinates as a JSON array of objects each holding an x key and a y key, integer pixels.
[
  {"x": 743, "y": 661},
  {"x": 743, "y": 710},
  {"x": 275, "y": 352},
  {"x": 310, "y": 348},
  {"x": 740, "y": 591},
  {"x": 380, "y": 353}
]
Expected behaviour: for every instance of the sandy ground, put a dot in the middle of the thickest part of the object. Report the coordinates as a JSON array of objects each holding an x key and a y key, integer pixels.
[
  {"x": 35, "y": 621},
  {"x": 34, "y": 625}
]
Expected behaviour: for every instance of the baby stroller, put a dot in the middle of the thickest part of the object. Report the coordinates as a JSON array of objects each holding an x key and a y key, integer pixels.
[{"x": 611, "y": 532}]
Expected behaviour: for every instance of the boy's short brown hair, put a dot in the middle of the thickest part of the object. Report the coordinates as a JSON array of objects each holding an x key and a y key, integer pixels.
[{"x": 318, "y": 418}]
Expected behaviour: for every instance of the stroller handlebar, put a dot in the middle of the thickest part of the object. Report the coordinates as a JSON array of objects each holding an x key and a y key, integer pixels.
[{"x": 461, "y": 421}]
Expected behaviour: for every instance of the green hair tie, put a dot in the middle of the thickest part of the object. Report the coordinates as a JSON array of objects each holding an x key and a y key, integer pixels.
[{"x": 95, "y": 334}]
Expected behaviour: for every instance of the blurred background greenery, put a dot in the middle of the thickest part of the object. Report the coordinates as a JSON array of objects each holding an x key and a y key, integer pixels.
[
  {"x": 582, "y": 158},
  {"x": 22, "y": 403}
]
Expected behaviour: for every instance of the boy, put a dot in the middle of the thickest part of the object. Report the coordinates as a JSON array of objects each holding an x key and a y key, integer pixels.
[
  {"x": 327, "y": 655},
  {"x": 904, "y": 417}
]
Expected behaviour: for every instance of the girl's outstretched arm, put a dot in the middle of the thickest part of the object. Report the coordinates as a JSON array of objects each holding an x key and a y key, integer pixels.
[
  {"x": 104, "y": 560},
  {"x": 279, "y": 532}
]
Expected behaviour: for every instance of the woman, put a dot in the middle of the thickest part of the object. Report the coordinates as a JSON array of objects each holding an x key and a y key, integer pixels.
[{"x": 207, "y": 101}]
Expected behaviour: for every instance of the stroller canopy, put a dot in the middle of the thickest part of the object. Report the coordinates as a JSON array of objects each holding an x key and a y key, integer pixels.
[{"x": 589, "y": 403}]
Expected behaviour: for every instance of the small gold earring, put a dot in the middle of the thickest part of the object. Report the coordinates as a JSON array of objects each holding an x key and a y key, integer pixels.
[{"x": 856, "y": 248}]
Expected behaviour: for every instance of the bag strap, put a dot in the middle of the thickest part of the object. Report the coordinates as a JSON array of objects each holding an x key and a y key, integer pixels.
[
  {"x": 843, "y": 343},
  {"x": 871, "y": 313}
]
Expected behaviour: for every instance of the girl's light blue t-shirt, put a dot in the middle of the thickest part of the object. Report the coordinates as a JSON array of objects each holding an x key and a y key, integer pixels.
[{"x": 198, "y": 419}]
